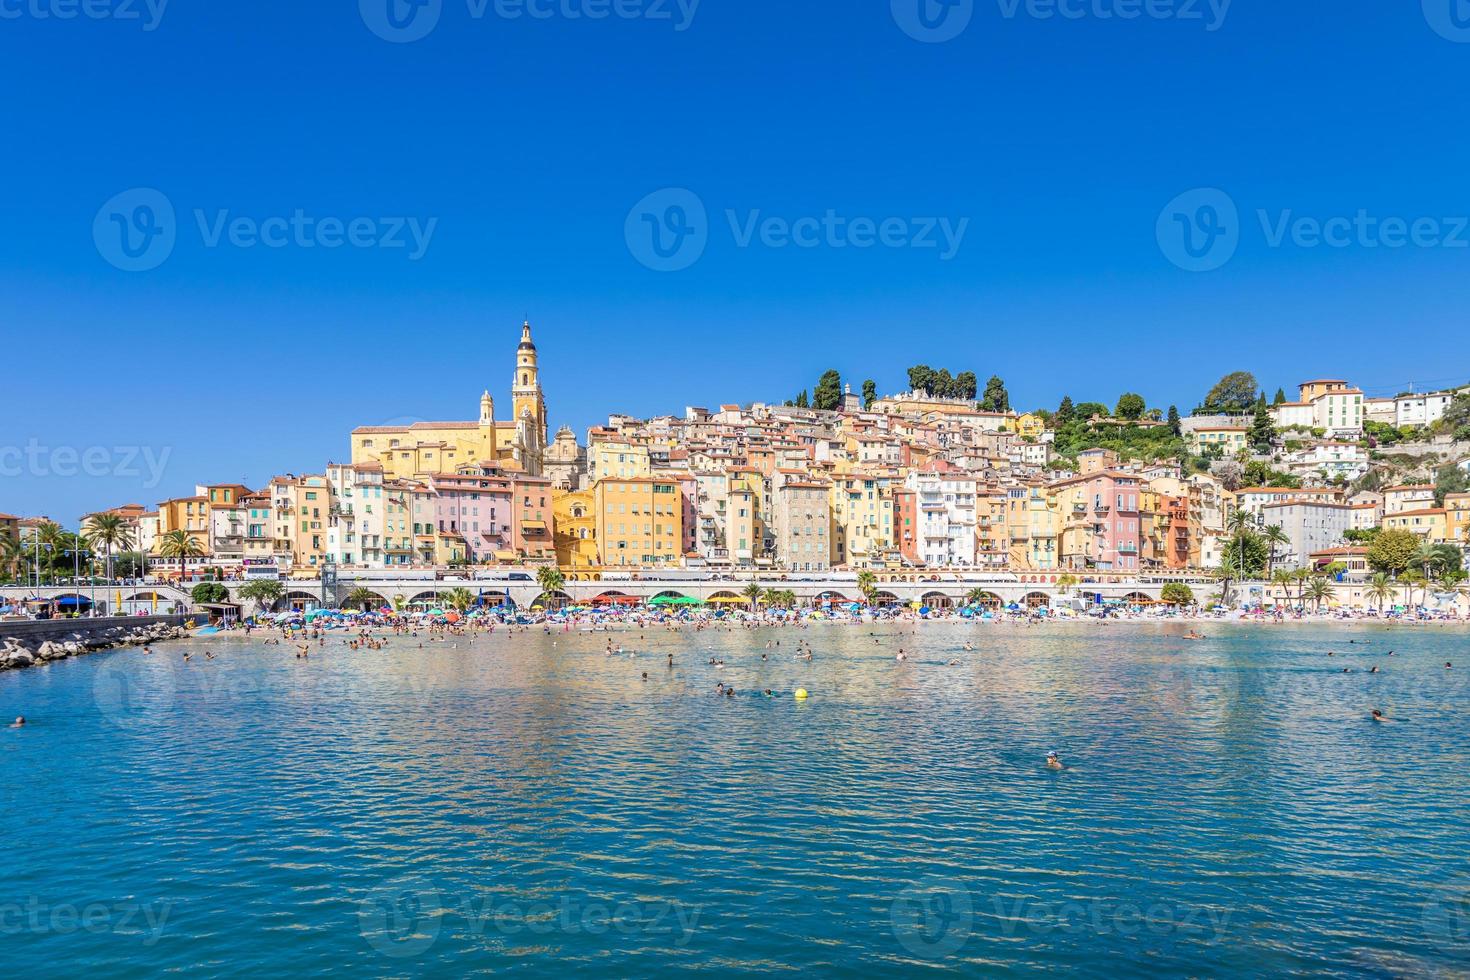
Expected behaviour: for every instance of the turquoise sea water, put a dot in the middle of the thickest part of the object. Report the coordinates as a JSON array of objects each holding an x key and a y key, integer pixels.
[{"x": 529, "y": 805}]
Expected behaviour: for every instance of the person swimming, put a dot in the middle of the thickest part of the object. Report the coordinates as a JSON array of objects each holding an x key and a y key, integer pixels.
[
  {"x": 1053, "y": 761},
  {"x": 1378, "y": 715},
  {"x": 901, "y": 654},
  {"x": 20, "y": 722}
]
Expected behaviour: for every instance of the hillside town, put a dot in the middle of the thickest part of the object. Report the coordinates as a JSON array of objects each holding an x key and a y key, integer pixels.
[{"x": 940, "y": 476}]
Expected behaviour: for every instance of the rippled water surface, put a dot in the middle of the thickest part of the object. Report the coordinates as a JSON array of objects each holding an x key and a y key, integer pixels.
[{"x": 528, "y": 804}]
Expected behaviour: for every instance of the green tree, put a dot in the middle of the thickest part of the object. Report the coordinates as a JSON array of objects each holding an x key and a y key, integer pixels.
[
  {"x": 1235, "y": 392},
  {"x": 181, "y": 546},
  {"x": 1174, "y": 426},
  {"x": 1177, "y": 594},
  {"x": 801, "y": 400},
  {"x": 921, "y": 377},
  {"x": 551, "y": 580},
  {"x": 827, "y": 396},
  {"x": 1065, "y": 411},
  {"x": 1274, "y": 536},
  {"x": 1381, "y": 590},
  {"x": 1263, "y": 432},
  {"x": 754, "y": 594},
  {"x": 458, "y": 598},
  {"x": 870, "y": 393},
  {"x": 1280, "y": 398},
  {"x": 1130, "y": 407},
  {"x": 996, "y": 399},
  {"x": 1392, "y": 552},
  {"x": 207, "y": 592},
  {"x": 966, "y": 385},
  {"x": 263, "y": 592},
  {"x": 1317, "y": 591},
  {"x": 1449, "y": 479},
  {"x": 362, "y": 598},
  {"x": 1087, "y": 410},
  {"x": 867, "y": 586},
  {"x": 108, "y": 532}
]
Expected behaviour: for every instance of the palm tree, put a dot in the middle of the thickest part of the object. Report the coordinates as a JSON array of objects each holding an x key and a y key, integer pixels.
[
  {"x": 977, "y": 596},
  {"x": 1273, "y": 535},
  {"x": 1381, "y": 590},
  {"x": 550, "y": 578},
  {"x": 12, "y": 558},
  {"x": 179, "y": 544},
  {"x": 1066, "y": 583},
  {"x": 1318, "y": 591},
  {"x": 362, "y": 598},
  {"x": 108, "y": 532},
  {"x": 867, "y": 586},
  {"x": 459, "y": 599},
  {"x": 263, "y": 592},
  {"x": 755, "y": 594},
  {"x": 1414, "y": 579},
  {"x": 1282, "y": 579}
]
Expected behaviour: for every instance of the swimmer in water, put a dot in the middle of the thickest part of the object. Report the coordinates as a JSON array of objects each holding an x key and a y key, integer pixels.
[
  {"x": 901, "y": 654},
  {"x": 1378, "y": 715},
  {"x": 1053, "y": 762},
  {"x": 19, "y": 722}
]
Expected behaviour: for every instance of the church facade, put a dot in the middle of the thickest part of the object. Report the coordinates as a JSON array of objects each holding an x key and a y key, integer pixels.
[{"x": 418, "y": 450}]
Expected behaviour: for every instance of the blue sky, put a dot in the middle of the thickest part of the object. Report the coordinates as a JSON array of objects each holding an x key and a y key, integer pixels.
[{"x": 524, "y": 143}]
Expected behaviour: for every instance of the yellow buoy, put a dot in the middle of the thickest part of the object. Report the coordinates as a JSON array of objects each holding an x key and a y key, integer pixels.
[{"x": 801, "y": 694}]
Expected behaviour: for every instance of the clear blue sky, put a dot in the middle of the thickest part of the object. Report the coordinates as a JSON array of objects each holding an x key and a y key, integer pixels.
[{"x": 529, "y": 140}]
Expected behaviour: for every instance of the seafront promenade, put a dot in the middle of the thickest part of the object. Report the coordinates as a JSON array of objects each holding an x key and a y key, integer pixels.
[{"x": 520, "y": 588}]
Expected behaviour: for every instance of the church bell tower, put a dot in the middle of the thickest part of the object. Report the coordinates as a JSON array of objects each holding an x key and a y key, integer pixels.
[{"x": 529, "y": 404}]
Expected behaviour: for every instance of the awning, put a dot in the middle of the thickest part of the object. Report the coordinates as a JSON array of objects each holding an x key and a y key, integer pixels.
[
  {"x": 534, "y": 527},
  {"x": 505, "y": 556}
]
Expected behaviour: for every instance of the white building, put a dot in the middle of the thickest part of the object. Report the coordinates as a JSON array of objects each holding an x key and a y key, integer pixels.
[
  {"x": 946, "y": 509},
  {"x": 1310, "y": 525},
  {"x": 1329, "y": 460},
  {"x": 1421, "y": 410}
]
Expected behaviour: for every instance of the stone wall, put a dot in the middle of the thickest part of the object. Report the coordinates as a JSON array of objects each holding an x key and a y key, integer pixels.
[{"x": 27, "y": 642}]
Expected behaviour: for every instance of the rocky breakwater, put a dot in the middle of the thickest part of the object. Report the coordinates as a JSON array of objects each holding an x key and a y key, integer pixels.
[{"x": 26, "y": 646}]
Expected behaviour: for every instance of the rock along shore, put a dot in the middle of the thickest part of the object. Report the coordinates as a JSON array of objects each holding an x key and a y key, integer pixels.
[{"x": 27, "y": 643}]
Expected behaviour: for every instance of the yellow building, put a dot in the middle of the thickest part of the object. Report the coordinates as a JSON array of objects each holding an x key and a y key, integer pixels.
[
  {"x": 639, "y": 521},
  {"x": 1032, "y": 527},
  {"x": 1457, "y": 517},
  {"x": 1229, "y": 439},
  {"x": 1429, "y": 523},
  {"x": 574, "y": 514},
  {"x": 301, "y": 507},
  {"x": 422, "y": 449},
  {"x": 1030, "y": 426},
  {"x": 618, "y": 460},
  {"x": 862, "y": 519}
]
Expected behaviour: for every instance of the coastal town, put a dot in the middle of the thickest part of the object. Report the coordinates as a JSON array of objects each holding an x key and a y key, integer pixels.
[{"x": 946, "y": 476}]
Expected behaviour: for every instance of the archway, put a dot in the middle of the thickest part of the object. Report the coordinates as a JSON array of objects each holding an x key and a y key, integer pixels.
[
  {"x": 1037, "y": 600},
  {"x": 832, "y": 597},
  {"x": 938, "y": 600},
  {"x": 425, "y": 598},
  {"x": 988, "y": 600},
  {"x": 300, "y": 601},
  {"x": 884, "y": 600},
  {"x": 1138, "y": 599},
  {"x": 494, "y": 600}
]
